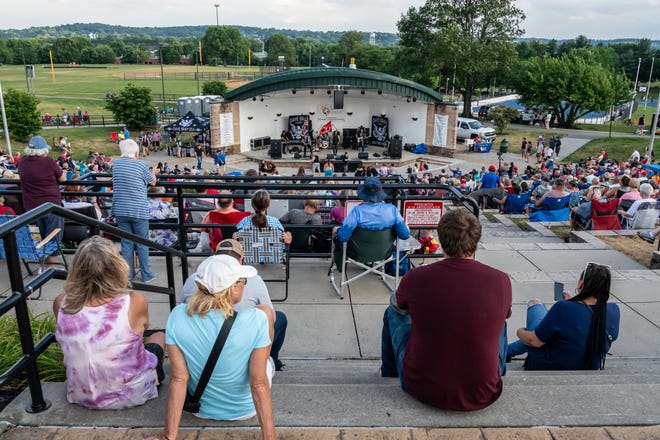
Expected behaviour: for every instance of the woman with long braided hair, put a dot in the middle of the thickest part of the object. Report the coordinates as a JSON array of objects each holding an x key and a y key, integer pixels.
[{"x": 575, "y": 334}]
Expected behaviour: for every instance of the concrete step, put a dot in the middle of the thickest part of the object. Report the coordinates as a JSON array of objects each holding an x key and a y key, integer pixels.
[{"x": 345, "y": 394}]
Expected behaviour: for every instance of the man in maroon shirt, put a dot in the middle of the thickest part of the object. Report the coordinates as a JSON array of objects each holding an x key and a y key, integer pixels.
[
  {"x": 444, "y": 335},
  {"x": 40, "y": 178}
]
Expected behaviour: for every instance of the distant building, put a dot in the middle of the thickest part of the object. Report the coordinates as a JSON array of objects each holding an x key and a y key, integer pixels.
[{"x": 372, "y": 38}]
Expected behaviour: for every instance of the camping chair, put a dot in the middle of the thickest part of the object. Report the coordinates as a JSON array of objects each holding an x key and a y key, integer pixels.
[
  {"x": 31, "y": 251},
  {"x": 113, "y": 137},
  {"x": 645, "y": 217},
  {"x": 229, "y": 220},
  {"x": 266, "y": 246},
  {"x": 555, "y": 209},
  {"x": 369, "y": 250},
  {"x": 515, "y": 203},
  {"x": 604, "y": 215}
]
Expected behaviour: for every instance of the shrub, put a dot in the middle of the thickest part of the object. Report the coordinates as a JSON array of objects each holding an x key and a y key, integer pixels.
[{"x": 50, "y": 362}]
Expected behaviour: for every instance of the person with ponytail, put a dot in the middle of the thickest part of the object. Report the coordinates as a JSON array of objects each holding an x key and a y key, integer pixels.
[
  {"x": 260, "y": 202},
  {"x": 574, "y": 334}
]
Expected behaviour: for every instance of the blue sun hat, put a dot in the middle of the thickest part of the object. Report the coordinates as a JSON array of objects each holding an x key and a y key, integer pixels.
[
  {"x": 38, "y": 143},
  {"x": 371, "y": 190}
]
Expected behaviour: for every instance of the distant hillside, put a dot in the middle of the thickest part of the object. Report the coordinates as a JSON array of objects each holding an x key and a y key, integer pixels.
[{"x": 102, "y": 31}]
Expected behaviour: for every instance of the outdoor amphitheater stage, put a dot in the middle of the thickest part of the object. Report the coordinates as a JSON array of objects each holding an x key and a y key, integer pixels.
[{"x": 375, "y": 157}]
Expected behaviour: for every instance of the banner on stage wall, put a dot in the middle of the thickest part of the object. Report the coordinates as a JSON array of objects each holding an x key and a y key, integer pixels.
[
  {"x": 299, "y": 126},
  {"x": 380, "y": 130},
  {"x": 226, "y": 129},
  {"x": 440, "y": 128}
]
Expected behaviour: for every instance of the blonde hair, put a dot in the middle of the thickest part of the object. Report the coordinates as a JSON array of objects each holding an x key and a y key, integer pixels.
[
  {"x": 204, "y": 301},
  {"x": 97, "y": 272}
]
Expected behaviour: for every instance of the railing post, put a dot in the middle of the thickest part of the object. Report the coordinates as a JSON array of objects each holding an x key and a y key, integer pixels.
[{"x": 24, "y": 330}]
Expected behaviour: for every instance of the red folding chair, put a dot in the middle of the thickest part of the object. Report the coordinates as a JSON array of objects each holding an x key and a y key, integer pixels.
[{"x": 604, "y": 215}]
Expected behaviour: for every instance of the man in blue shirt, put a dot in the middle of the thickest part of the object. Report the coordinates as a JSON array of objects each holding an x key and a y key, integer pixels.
[
  {"x": 374, "y": 214},
  {"x": 491, "y": 179},
  {"x": 219, "y": 159}
]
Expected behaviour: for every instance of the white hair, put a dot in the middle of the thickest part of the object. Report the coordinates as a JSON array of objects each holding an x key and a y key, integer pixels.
[
  {"x": 646, "y": 189},
  {"x": 35, "y": 151},
  {"x": 128, "y": 148}
]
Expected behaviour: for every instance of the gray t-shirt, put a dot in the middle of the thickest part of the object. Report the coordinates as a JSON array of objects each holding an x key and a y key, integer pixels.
[
  {"x": 301, "y": 217},
  {"x": 254, "y": 293}
]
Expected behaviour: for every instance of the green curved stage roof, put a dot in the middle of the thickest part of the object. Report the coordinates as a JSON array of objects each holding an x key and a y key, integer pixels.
[{"x": 329, "y": 78}]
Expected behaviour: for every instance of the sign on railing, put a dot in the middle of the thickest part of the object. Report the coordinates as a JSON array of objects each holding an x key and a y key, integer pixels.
[{"x": 422, "y": 214}]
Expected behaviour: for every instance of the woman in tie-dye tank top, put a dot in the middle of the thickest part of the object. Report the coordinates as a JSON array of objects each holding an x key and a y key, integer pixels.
[{"x": 100, "y": 324}]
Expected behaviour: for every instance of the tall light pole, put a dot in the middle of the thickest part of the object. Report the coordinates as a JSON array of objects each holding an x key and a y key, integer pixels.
[
  {"x": 648, "y": 85},
  {"x": 632, "y": 103},
  {"x": 653, "y": 126},
  {"x": 27, "y": 79},
  {"x": 217, "y": 19},
  {"x": 162, "y": 75}
]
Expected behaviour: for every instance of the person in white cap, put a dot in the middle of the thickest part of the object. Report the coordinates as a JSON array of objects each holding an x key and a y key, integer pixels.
[{"x": 239, "y": 387}]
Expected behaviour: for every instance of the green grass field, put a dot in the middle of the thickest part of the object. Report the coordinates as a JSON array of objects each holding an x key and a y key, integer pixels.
[{"x": 73, "y": 87}]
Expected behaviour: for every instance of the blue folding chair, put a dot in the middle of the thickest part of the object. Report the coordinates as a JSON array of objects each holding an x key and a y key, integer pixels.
[
  {"x": 555, "y": 209},
  {"x": 30, "y": 250},
  {"x": 515, "y": 203}
]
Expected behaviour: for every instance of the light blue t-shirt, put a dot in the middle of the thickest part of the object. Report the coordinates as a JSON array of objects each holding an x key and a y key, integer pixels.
[{"x": 227, "y": 395}]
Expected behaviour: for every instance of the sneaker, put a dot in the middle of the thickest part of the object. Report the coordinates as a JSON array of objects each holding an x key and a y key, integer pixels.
[
  {"x": 279, "y": 365},
  {"x": 646, "y": 236},
  {"x": 148, "y": 279}
]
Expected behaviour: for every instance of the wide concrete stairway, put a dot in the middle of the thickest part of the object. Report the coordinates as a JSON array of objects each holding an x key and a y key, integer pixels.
[{"x": 331, "y": 388}]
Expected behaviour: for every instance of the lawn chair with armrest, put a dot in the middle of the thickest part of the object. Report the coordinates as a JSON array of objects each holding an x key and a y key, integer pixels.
[
  {"x": 368, "y": 250},
  {"x": 265, "y": 246}
]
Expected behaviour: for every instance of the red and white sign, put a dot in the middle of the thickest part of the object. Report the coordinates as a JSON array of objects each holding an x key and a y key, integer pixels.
[{"x": 422, "y": 213}]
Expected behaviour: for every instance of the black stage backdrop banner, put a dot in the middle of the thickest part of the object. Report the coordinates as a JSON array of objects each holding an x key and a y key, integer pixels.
[
  {"x": 379, "y": 130},
  {"x": 299, "y": 126}
]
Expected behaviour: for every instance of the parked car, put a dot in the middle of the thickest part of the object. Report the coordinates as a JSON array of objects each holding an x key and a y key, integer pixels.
[{"x": 471, "y": 128}]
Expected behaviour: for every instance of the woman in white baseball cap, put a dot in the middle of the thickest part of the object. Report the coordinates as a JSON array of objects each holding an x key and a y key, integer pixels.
[{"x": 239, "y": 387}]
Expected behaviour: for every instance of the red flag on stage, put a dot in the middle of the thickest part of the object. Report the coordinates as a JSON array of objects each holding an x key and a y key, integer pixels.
[{"x": 326, "y": 128}]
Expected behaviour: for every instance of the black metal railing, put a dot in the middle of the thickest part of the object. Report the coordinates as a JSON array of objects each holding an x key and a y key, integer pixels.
[{"x": 21, "y": 292}]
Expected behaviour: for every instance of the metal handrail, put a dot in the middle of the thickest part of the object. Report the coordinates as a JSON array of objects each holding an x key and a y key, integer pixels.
[{"x": 20, "y": 291}]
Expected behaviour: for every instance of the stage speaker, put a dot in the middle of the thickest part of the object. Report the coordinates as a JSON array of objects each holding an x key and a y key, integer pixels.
[
  {"x": 396, "y": 144},
  {"x": 329, "y": 156},
  {"x": 363, "y": 155},
  {"x": 338, "y": 100},
  {"x": 276, "y": 149}
]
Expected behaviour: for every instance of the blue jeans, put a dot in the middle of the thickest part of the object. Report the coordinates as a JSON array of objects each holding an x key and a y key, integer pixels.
[
  {"x": 199, "y": 162},
  {"x": 535, "y": 315},
  {"x": 139, "y": 227},
  {"x": 278, "y": 335},
  {"x": 396, "y": 332}
]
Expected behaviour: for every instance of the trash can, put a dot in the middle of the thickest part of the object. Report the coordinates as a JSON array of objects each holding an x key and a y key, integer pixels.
[{"x": 504, "y": 146}]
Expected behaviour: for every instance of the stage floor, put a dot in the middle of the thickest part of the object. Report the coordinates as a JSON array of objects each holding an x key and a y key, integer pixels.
[{"x": 376, "y": 156}]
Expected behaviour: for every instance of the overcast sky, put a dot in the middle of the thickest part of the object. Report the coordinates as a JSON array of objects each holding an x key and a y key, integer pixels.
[{"x": 559, "y": 19}]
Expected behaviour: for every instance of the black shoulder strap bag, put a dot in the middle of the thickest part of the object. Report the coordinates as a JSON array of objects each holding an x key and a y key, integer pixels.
[{"x": 192, "y": 401}]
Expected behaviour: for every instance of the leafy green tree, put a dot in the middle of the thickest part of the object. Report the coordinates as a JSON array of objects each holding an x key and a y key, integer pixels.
[
  {"x": 348, "y": 44},
  {"x": 23, "y": 118},
  {"x": 373, "y": 57},
  {"x": 6, "y": 54},
  {"x": 572, "y": 85},
  {"x": 172, "y": 54},
  {"x": 214, "y": 88},
  {"x": 104, "y": 54},
  {"x": 224, "y": 43},
  {"x": 28, "y": 48},
  {"x": 473, "y": 38},
  {"x": 502, "y": 116},
  {"x": 280, "y": 45},
  {"x": 133, "y": 106}
]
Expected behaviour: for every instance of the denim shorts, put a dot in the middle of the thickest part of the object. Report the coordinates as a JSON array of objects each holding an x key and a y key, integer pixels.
[{"x": 158, "y": 351}]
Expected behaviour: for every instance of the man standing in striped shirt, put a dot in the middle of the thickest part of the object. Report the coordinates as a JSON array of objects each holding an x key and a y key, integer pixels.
[{"x": 130, "y": 205}]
